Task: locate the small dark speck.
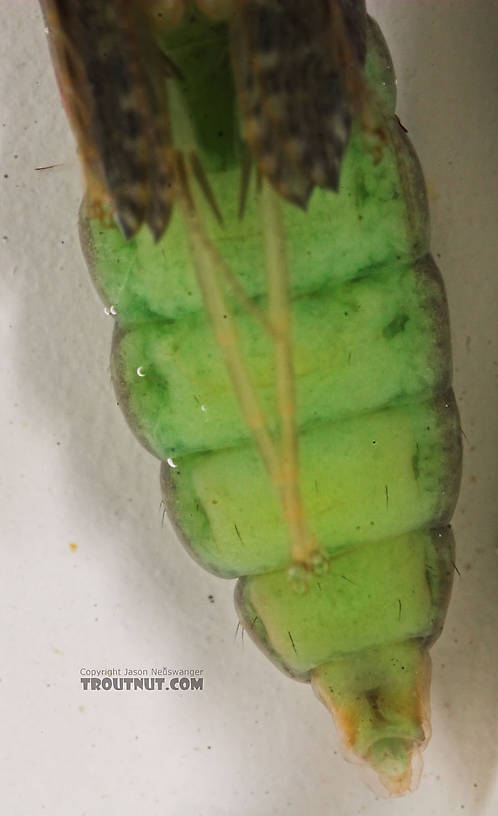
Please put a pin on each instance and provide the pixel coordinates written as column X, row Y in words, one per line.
column 374, row 441
column 348, row 580
column 211, row 598
column 209, row 747
column 5, row 175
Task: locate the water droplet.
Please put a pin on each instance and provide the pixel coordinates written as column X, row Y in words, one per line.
column 140, row 371
column 203, row 408
column 170, row 462
column 113, row 311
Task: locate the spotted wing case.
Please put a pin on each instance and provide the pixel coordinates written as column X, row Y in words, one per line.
column 112, row 79
column 379, row 435
column 298, row 66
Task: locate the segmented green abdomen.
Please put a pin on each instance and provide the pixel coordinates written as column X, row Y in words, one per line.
column 378, row 428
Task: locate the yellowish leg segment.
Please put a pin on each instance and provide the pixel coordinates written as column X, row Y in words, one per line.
column 303, row 547
column 280, row 461
column 207, row 267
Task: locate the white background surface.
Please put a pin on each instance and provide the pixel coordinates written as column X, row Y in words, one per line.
column 252, row 742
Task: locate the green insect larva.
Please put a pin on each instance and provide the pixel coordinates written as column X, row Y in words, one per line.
column 257, row 219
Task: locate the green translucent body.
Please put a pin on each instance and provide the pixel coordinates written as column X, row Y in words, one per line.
column 353, row 339
column 411, row 570
column 379, row 432
column 378, row 475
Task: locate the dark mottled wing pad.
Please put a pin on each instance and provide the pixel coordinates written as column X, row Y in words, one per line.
column 298, row 66
column 112, row 80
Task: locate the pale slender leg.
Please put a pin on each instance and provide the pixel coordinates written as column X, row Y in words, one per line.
column 281, row 462
column 303, row 547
